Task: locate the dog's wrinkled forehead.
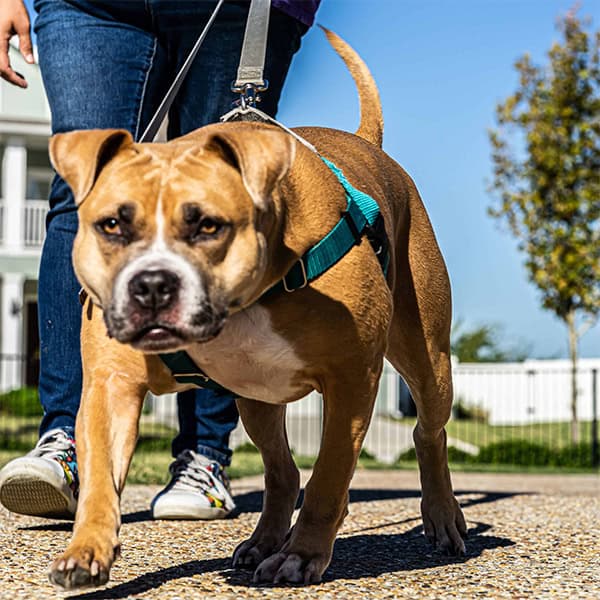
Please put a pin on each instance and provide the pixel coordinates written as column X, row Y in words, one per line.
column 260, row 157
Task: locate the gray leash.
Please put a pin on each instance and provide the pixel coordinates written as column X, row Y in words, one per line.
column 249, row 80
column 165, row 105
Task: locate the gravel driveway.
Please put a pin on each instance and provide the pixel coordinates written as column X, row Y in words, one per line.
column 531, row 536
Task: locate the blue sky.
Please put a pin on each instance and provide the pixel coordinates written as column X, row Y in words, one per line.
column 441, row 66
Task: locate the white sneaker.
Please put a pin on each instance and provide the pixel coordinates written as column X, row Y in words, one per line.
column 199, row 489
column 44, row 482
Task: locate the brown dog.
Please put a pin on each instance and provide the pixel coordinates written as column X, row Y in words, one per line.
column 218, row 217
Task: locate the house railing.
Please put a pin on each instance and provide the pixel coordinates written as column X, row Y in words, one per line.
column 34, row 223
column 33, row 230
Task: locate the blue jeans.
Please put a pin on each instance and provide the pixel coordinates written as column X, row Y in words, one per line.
column 108, row 64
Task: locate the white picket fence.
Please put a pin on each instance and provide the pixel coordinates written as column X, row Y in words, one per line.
column 535, row 391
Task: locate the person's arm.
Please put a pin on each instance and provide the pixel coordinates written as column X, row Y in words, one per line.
column 14, row 20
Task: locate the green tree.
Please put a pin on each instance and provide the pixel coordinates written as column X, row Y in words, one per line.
column 546, row 157
column 481, row 344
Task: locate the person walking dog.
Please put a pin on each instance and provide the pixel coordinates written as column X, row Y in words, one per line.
column 108, row 64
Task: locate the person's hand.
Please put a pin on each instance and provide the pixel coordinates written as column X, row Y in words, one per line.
column 14, row 20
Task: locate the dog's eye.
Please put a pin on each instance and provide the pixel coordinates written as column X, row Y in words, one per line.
column 111, row 226
column 208, row 227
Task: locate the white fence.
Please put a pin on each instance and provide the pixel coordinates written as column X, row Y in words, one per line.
column 510, row 393
column 534, row 391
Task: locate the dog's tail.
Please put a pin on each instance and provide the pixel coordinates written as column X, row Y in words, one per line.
column 371, row 115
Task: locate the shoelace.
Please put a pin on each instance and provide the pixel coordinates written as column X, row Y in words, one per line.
column 53, row 445
column 191, row 474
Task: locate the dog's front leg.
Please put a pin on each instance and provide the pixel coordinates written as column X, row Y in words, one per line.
column 348, row 404
column 106, row 433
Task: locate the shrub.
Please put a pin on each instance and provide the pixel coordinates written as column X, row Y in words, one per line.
column 23, row 402
column 366, row 455
column 459, row 456
column 407, row 456
column 515, row 452
column 461, row 411
column 579, row 455
column 454, row 455
column 521, row 453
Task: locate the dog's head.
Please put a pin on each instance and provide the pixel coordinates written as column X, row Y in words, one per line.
column 172, row 237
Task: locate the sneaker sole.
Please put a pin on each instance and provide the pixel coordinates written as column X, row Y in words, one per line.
column 200, row 514
column 34, row 497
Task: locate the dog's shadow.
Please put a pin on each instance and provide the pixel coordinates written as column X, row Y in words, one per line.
column 133, row 517
column 363, row 553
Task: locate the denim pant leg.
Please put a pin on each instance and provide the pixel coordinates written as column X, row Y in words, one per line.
column 97, row 73
column 59, row 317
column 206, row 424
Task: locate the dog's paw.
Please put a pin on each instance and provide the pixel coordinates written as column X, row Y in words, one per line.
column 249, row 554
column 288, row 567
column 444, row 525
column 81, row 567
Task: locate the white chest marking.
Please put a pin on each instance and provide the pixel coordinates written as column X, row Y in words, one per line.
column 252, row 360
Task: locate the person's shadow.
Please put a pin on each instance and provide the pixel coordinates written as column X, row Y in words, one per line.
column 367, row 552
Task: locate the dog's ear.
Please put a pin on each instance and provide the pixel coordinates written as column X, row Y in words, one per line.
column 262, row 156
column 79, row 156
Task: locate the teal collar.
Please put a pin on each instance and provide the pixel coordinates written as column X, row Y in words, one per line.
column 362, row 218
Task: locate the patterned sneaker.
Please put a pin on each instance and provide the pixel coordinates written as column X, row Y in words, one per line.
column 199, row 489
column 44, row 482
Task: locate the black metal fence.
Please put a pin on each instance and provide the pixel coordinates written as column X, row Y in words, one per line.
column 505, row 416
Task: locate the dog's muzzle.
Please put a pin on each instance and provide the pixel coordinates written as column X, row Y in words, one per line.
column 155, row 313
column 154, row 291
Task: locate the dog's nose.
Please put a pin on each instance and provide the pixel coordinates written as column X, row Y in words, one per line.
column 154, row 289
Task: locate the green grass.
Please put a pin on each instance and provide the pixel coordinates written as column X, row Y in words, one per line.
column 153, row 467
column 557, row 435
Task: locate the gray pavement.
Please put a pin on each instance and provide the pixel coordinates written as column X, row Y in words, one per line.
column 531, row 536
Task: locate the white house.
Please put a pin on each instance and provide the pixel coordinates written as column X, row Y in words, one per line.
column 24, row 185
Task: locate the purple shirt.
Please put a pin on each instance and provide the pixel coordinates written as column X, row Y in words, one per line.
column 303, row 10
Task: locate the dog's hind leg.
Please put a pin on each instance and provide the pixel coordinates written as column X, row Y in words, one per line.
column 265, row 424
column 419, row 348
column 106, row 434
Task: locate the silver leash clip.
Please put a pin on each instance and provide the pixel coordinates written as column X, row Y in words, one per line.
column 249, row 94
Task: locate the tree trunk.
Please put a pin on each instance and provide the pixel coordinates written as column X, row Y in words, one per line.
column 573, row 342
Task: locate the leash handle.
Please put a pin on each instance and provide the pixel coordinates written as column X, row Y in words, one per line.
column 252, row 60
column 160, row 114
